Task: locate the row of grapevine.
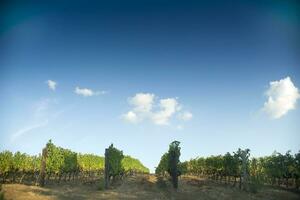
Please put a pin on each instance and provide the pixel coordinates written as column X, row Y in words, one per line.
column 14, row 165
column 113, row 165
column 117, row 165
column 170, row 163
column 279, row 169
column 133, row 165
column 61, row 164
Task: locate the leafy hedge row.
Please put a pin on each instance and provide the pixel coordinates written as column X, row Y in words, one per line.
column 279, row 169
column 59, row 162
column 170, row 163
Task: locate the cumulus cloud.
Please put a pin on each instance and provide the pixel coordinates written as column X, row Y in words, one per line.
column 51, row 84
column 185, row 116
column 168, row 108
column 88, row 92
column 282, row 97
column 144, row 107
column 142, row 102
column 130, row 117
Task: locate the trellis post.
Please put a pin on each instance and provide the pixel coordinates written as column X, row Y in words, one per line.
column 43, row 168
column 106, row 170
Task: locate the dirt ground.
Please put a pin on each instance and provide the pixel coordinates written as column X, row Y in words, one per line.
column 142, row 187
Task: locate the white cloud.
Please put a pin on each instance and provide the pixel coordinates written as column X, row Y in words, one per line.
column 88, row 92
column 145, row 108
column 131, row 117
column 142, row 107
column 168, row 108
column 51, row 84
column 142, row 102
column 185, row 116
column 282, row 97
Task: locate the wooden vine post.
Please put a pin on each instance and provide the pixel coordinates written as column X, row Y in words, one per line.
column 106, row 170
column 244, row 175
column 43, row 168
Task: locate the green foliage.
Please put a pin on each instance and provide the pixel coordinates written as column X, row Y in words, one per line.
column 215, row 166
column 17, row 162
column 55, row 158
column 268, row 169
column 170, row 163
column 183, row 167
column 296, row 170
column 115, row 157
column 196, row 166
column 60, row 160
column 6, row 162
column 163, row 165
column 173, row 156
column 70, row 161
column 64, row 161
column 133, row 165
column 90, row 162
column 231, row 165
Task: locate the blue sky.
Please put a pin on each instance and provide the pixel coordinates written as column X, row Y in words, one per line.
column 213, row 60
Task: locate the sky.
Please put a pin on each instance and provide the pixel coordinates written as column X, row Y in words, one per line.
column 214, row 75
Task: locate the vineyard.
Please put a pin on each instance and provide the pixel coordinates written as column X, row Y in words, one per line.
column 70, row 175
column 278, row 169
column 61, row 165
column 236, row 169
